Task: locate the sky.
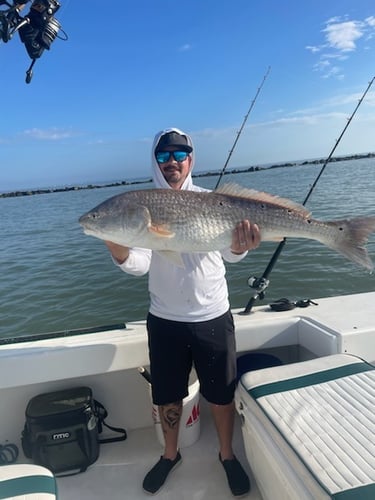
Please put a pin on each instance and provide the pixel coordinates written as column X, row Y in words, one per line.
column 131, row 69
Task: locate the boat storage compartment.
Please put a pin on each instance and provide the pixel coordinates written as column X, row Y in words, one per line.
column 309, row 428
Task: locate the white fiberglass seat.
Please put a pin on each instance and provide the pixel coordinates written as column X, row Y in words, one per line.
column 27, row 482
column 309, row 428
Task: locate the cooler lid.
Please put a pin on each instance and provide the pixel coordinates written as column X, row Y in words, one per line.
column 63, row 401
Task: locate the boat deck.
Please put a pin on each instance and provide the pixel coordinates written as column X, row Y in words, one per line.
column 121, row 467
column 107, row 361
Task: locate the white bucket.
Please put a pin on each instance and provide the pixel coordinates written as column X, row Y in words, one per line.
column 190, row 419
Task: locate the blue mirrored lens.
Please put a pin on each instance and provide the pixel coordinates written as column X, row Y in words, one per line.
column 180, row 155
column 163, row 156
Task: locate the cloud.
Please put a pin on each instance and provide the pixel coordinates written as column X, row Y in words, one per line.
column 341, row 37
column 341, row 104
column 303, row 120
column 185, row 47
column 313, row 49
column 336, row 108
column 51, row 134
column 350, row 99
column 334, row 71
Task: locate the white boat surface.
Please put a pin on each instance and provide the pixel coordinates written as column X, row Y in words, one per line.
column 108, row 361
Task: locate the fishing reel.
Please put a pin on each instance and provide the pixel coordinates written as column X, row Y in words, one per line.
column 259, row 285
column 37, row 30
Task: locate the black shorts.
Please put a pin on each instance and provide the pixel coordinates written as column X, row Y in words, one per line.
column 175, row 346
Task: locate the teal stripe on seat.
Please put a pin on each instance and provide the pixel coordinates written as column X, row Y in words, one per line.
column 363, row 493
column 27, row 485
column 311, row 379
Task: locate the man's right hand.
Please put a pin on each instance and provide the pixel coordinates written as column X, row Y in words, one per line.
column 119, row 253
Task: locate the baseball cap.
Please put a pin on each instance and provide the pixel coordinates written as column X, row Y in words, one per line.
column 174, row 139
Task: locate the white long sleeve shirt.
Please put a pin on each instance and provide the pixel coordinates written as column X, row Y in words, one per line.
column 198, row 292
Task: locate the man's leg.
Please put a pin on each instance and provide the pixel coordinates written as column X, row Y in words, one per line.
column 170, row 362
column 224, row 421
column 238, row 480
column 215, row 362
column 170, row 416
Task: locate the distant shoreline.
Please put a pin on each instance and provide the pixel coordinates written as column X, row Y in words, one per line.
column 30, row 192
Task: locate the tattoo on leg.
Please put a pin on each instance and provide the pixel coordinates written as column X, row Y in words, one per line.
column 171, row 413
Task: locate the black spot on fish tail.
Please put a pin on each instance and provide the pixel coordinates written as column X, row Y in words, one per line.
column 351, row 241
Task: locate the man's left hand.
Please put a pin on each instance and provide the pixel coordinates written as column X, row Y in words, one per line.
column 246, row 236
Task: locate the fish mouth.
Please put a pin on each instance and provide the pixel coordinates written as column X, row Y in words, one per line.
column 86, row 221
column 83, row 220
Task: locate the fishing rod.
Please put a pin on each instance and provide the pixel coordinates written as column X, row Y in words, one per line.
column 242, row 126
column 260, row 284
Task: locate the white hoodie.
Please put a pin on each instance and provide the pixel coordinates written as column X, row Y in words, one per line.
column 197, row 292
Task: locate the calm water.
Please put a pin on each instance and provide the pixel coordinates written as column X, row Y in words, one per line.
column 55, row 278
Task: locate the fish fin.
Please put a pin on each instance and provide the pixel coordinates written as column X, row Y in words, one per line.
column 160, row 230
column 233, row 189
column 354, row 234
column 276, row 239
column 173, row 257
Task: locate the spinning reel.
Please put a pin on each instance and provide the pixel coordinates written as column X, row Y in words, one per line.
column 37, row 30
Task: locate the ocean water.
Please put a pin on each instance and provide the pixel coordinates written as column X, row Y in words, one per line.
column 55, row 278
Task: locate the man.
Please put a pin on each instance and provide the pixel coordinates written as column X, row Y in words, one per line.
column 189, row 321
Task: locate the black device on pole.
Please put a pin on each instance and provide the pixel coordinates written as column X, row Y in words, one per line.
column 37, row 30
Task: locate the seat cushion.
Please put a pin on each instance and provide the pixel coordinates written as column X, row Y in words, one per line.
column 27, row 481
column 325, row 411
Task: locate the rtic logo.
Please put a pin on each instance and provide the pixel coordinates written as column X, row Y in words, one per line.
column 194, row 416
column 60, row 435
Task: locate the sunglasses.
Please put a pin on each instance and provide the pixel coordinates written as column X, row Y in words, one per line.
column 164, row 156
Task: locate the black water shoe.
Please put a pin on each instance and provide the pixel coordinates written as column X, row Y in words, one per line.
column 155, row 479
column 238, row 480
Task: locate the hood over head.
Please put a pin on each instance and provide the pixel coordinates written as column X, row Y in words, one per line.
column 171, row 137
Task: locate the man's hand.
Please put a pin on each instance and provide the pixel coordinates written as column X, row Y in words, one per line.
column 119, row 253
column 246, row 236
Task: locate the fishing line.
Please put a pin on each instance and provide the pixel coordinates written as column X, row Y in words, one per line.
column 260, row 284
column 242, row 126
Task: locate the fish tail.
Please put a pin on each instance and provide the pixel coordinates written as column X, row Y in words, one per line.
column 352, row 236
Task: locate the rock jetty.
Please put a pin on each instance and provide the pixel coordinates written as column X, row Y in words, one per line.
column 211, row 173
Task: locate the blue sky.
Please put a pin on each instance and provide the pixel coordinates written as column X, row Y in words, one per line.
column 130, row 69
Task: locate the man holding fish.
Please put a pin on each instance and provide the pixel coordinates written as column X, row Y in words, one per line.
column 189, row 320
column 180, row 233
